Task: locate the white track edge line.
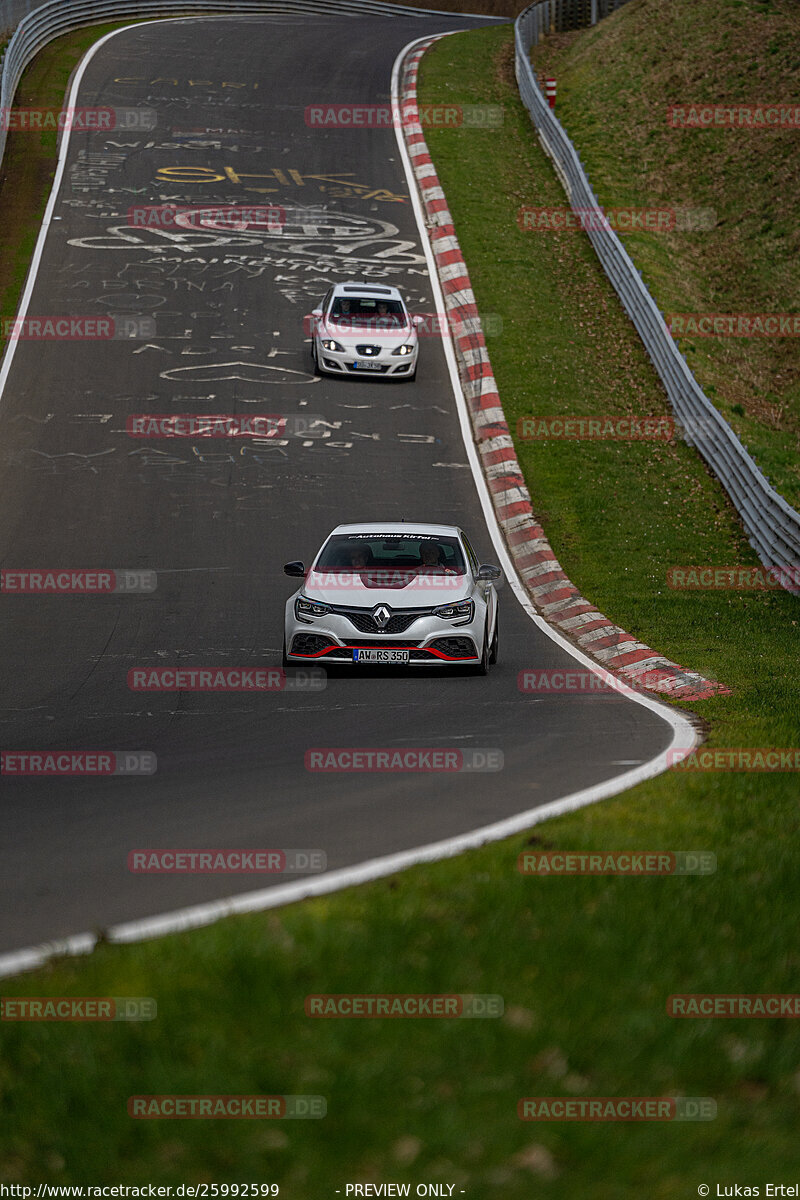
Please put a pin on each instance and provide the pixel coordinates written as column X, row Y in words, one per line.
column 198, row 915
column 674, row 718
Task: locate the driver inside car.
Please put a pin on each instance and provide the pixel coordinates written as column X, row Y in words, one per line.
column 431, row 556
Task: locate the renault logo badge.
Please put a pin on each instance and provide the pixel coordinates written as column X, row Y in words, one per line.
column 381, row 615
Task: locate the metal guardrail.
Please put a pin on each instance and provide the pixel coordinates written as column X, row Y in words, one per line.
column 12, row 12
column 562, row 15
column 771, row 524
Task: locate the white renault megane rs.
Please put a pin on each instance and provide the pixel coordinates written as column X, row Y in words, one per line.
column 394, row 593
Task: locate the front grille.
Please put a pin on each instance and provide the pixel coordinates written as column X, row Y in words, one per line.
column 365, row 623
column 368, row 351
column 398, row 622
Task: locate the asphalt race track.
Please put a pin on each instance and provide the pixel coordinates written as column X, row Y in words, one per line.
column 217, row 520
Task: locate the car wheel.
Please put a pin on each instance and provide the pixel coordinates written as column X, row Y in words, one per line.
column 483, row 666
column 314, row 356
column 494, row 649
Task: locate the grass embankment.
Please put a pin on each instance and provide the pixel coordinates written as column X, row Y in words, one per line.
column 585, row 964
column 615, row 83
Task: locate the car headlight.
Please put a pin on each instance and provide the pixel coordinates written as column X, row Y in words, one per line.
column 330, row 344
column 304, row 607
column 463, row 612
column 407, row 348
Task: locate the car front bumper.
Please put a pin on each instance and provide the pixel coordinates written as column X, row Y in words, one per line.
column 382, row 365
column 429, row 640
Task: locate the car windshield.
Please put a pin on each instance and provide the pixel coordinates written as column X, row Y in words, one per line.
column 368, row 311
column 412, row 554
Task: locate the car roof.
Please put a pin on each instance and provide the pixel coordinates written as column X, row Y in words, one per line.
column 353, row 288
column 410, row 528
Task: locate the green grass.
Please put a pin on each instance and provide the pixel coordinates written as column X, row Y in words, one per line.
column 614, row 85
column 585, row 964
column 617, row 514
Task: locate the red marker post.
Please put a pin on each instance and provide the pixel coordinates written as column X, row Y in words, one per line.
column 550, row 91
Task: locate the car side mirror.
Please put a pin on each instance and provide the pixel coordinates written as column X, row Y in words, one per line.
column 295, row 569
column 489, row 571
column 316, row 312
column 417, row 319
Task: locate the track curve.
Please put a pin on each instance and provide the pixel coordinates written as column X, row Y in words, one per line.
column 218, row 523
